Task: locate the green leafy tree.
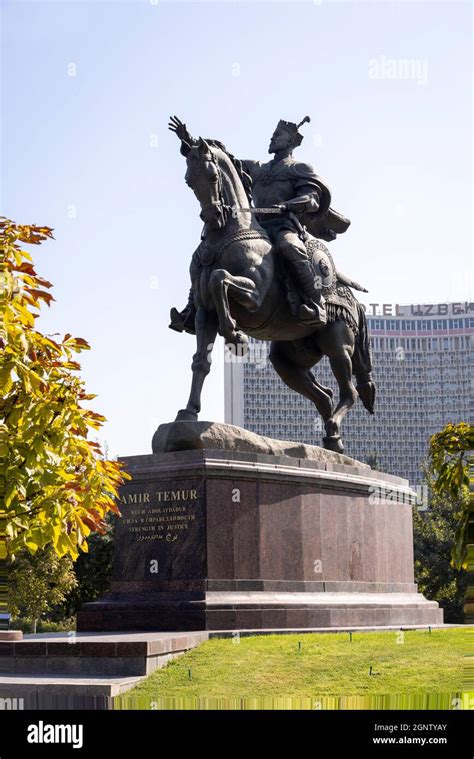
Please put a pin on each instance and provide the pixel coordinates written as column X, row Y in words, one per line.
column 38, row 583
column 449, row 464
column 55, row 488
column 433, row 532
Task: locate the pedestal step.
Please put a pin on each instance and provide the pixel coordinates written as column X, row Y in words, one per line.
column 42, row 692
column 80, row 655
column 259, row 610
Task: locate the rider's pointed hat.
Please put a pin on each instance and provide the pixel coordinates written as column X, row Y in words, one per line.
column 292, row 129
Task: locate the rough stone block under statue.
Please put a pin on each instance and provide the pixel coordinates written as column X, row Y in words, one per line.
column 242, row 532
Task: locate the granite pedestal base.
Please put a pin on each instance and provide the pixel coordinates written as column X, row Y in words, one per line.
column 225, row 540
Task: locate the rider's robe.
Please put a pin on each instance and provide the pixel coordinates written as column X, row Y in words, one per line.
column 280, row 181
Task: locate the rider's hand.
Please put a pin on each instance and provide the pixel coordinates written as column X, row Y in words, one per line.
column 177, row 126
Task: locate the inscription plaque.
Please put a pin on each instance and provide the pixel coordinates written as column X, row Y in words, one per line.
column 161, row 534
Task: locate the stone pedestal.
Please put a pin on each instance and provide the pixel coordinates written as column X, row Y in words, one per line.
column 229, row 540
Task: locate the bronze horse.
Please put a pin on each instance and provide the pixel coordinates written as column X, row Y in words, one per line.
column 239, row 289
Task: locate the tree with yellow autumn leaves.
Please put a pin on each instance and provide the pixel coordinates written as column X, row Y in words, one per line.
column 55, row 485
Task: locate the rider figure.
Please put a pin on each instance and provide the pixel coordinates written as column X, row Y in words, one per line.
column 293, row 189
column 292, row 186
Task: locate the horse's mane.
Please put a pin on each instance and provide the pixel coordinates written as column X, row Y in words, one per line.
column 237, row 164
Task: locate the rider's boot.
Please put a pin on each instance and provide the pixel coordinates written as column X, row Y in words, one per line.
column 183, row 321
column 312, row 309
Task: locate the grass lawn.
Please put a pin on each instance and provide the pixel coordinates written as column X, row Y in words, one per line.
column 413, row 662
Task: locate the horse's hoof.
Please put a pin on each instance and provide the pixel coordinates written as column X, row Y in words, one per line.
column 237, row 343
column 184, row 415
column 333, row 443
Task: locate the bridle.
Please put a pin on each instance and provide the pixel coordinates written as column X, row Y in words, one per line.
column 219, row 203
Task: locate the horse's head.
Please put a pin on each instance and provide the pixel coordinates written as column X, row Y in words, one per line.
column 204, row 177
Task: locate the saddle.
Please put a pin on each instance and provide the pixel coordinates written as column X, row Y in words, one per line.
column 340, row 302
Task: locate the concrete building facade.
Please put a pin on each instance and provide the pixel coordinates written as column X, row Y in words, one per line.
column 422, row 357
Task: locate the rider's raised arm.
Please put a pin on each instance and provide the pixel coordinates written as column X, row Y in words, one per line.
column 187, row 144
column 181, row 131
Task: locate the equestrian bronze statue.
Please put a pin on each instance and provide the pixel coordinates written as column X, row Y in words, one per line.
column 261, row 270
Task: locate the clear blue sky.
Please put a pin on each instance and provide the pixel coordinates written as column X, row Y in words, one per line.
column 396, row 153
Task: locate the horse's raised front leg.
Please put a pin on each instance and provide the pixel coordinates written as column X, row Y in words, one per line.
column 206, row 331
column 241, row 289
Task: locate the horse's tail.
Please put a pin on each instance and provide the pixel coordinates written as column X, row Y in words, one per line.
column 362, row 363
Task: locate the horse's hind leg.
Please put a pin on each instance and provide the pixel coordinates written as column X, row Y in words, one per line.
column 294, row 368
column 339, row 348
